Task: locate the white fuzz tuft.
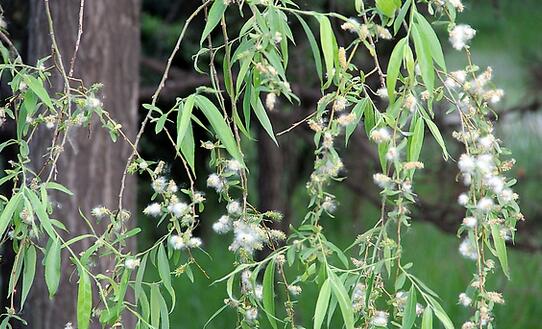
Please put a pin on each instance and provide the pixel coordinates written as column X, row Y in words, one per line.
column 177, row 242
column 466, row 164
column 463, row 199
column 380, row 135
column 214, row 181
column 234, row 208
column 247, row 236
column 380, row 319
column 178, row 209
column 154, row 210
column 464, row 299
column 381, row 180
column 223, row 225
column 194, row 243
column 131, row 263
column 468, row 249
column 159, row 185
column 485, row 204
column 470, row 221
column 460, row 35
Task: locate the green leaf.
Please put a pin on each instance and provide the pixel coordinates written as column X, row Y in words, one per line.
column 387, row 7
column 188, row 146
column 184, row 113
column 37, row 88
column 401, row 17
column 409, row 315
column 321, row 304
column 246, row 64
column 416, row 140
column 58, row 187
column 219, row 125
column 314, row 46
column 430, row 37
column 217, row 313
column 215, row 15
column 438, row 137
column 164, row 314
column 358, row 111
column 269, row 293
column 165, row 272
column 43, row 217
column 261, row 114
column 345, row 304
column 139, row 276
column 155, row 305
column 394, row 66
column 29, row 272
column 7, row 214
column 500, row 248
column 160, row 124
column 52, row 267
column 427, row 319
column 440, row 313
column 423, row 53
column 329, row 44
column 369, row 121
column 84, row 300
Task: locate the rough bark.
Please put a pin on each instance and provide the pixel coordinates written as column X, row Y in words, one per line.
column 91, row 165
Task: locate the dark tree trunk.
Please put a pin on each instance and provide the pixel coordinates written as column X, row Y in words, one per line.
column 91, row 165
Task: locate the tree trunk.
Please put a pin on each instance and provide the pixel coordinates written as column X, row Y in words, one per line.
column 91, row 165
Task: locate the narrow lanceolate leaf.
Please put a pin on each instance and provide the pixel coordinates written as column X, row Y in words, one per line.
column 358, row 111
column 429, row 35
column 425, row 61
column 345, row 304
column 29, row 272
column 40, row 210
column 219, row 125
column 269, row 293
column 440, row 313
column 155, row 308
column 427, row 319
column 409, row 315
column 261, row 114
column 165, row 272
column 438, row 137
column 58, row 187
column 215, row 15
column 500, row 248
column 329, row 44
column 7, row 213
column 164, row 314
column 52, row 267
column 401, row 17
column 139, row 276
column 188, row 146
column 416, row 140
column 84, row 300
column 321, row 304
column 394, row 66
column 183, row 119
column 314, row 46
